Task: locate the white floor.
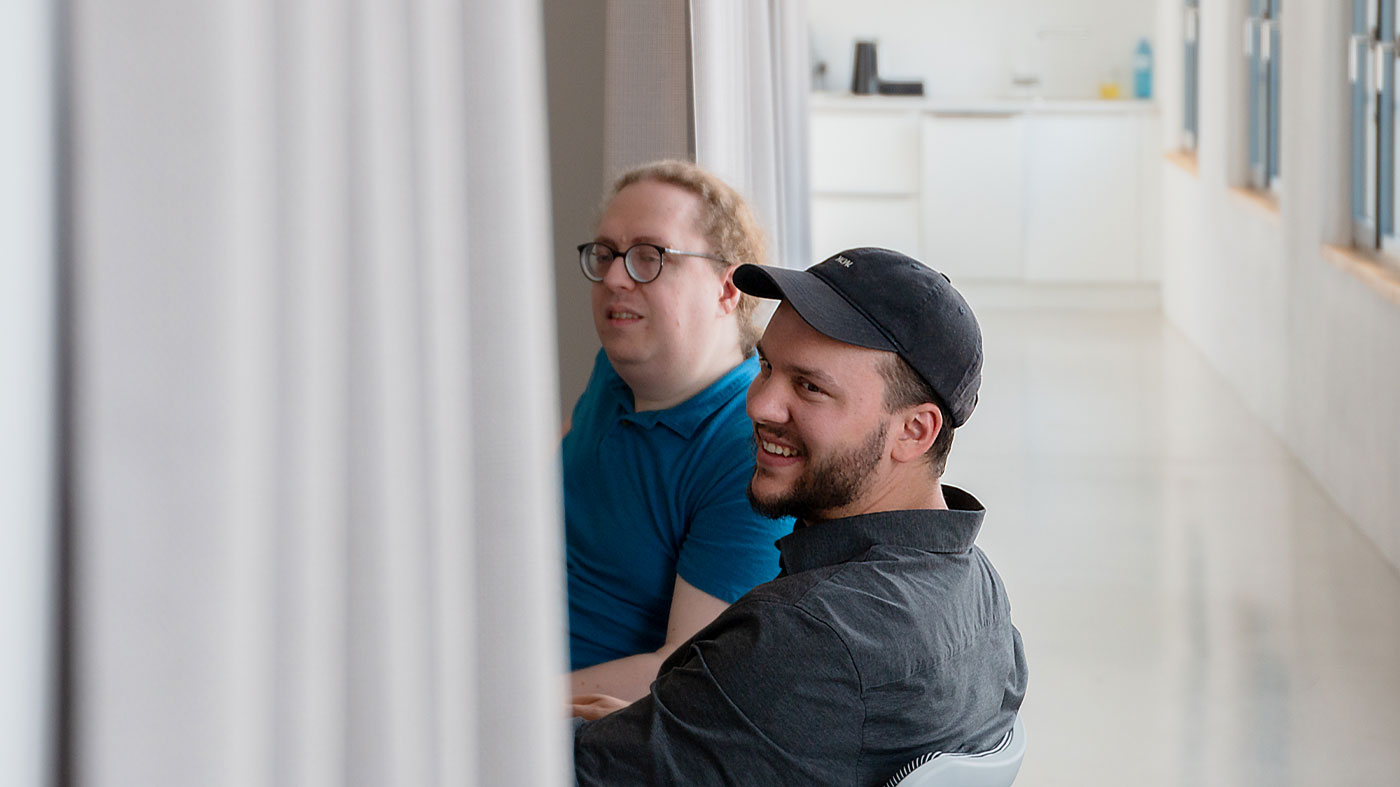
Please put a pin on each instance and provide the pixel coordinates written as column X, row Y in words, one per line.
column 1196, row 611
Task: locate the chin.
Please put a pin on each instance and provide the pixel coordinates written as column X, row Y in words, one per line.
column 622, row 352
column 761, row 494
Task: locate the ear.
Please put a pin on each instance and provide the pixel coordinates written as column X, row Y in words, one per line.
column 729, row 293
column 915, row 431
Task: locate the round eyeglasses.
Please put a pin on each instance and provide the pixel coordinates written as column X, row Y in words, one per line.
column 642, row 262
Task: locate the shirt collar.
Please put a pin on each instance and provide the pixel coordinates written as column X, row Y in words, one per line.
column 949, row 530
column 686, row 417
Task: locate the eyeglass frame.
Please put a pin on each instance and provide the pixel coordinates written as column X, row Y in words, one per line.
column 627, row 264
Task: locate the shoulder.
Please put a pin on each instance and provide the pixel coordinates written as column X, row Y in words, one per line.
column 602, row 378
column 908, row 613
column 600, row 393
column 724, row 403
column 716, row 426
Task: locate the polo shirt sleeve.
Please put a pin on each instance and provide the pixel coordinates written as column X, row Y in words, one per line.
column 728, row 547
column 767, row 694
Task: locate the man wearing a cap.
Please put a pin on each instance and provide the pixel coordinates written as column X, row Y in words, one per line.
column 888, row 633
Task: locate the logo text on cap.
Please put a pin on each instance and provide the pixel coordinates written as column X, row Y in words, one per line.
column 842, row 261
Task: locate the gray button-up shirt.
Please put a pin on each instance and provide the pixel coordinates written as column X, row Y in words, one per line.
column 885, row 636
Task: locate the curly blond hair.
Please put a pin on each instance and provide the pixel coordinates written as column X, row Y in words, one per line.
column 726, row 221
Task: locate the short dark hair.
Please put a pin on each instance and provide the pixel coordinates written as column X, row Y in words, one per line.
column 905, row 388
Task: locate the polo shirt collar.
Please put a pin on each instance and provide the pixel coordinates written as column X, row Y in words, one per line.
column 685, row 418
column 950, row 530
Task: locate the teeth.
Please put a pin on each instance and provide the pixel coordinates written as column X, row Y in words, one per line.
column 624, row 316
column 774, row 448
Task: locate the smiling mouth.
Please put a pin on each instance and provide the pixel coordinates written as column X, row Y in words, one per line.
column 778, row 450
column 623, row 315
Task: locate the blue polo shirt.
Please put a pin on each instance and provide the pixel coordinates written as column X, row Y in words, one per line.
column 649, row 496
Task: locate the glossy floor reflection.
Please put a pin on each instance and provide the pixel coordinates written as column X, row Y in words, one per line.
column 1196, row 611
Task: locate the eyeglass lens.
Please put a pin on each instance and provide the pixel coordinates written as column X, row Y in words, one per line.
column 643, row 261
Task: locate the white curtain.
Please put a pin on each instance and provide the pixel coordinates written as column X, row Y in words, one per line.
column 317, row 515
column 28, row 435
column 751, row 85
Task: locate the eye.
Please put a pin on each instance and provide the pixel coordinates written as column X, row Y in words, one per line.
column 809, row 387
column 763, row 365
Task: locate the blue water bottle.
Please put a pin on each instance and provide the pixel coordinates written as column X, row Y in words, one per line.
column 1142, row 69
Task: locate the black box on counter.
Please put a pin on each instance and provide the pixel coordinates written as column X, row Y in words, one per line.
column 914, row 88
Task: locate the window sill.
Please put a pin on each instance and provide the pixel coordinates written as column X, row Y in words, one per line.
column 1183, row 158
column 1375, row 274
column 1264, row 202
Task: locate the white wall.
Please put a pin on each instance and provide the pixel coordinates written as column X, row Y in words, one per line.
column 1310, row 348
column 961, row 48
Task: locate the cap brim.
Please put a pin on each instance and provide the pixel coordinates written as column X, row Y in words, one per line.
column 816, row 302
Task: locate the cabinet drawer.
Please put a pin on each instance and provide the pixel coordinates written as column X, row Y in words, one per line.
column 847, row 222
column 865, row 153
column 972, row 188
column 1082, row 199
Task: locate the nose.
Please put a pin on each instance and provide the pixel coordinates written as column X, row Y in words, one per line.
column 764, row 403
column 616, row 278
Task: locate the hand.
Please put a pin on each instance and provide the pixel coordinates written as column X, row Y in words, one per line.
column 596, row 706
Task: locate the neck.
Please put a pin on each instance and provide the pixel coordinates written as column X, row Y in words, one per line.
column 908, row 488
column 658, row 391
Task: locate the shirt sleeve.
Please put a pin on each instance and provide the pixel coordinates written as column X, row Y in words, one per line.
column 728, row 547
column 767, row 694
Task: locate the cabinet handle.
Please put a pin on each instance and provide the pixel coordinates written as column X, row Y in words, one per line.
column 1251, row 31
column 1380, row 49
column 996, row 115
column 1354, row 62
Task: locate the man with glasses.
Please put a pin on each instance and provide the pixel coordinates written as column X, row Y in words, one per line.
column 659, row 535
column 888, row 633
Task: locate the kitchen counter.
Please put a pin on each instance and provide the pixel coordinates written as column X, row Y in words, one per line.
column 933, row 105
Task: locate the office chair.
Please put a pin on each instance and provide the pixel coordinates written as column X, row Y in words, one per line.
column 996, row 767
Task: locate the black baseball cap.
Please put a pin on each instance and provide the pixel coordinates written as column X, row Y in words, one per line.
column 885, row 300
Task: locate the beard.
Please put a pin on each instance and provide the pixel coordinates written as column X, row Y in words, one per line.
column 827, row 483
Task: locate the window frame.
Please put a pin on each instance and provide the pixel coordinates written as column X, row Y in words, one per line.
column 1371, row 52
column 1191, row 46
column 1262, row 73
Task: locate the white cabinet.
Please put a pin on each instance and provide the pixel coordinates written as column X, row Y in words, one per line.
column 840, row 223
column 1082, row 218
column 865, row 180
column 1042, row 191
column 865, row 152
column 971, row 201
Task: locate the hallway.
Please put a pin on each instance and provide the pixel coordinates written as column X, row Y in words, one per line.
column 1195, row 610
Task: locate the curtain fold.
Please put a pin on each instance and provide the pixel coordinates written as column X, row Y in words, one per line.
column 318, row 521
column 29, row 408
column 751, row 85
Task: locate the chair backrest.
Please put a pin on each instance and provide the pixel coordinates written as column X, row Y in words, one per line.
column 996, row 767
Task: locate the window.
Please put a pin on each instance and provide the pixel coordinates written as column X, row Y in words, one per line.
column 1372, row 72
column 1190, row 36
column 1261, row 49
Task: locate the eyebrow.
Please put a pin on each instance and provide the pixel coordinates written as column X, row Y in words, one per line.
column 643, row 239
column 812, row 373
